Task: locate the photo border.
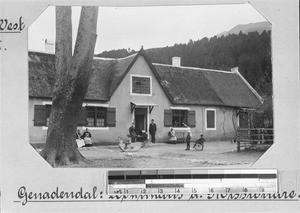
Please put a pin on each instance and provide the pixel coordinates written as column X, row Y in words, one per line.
column 21, row 165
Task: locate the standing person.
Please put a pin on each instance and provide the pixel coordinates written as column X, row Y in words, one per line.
column 87, row 137
column 132, row 132
column 152, row 130
column 172, row 136
column 188, row 140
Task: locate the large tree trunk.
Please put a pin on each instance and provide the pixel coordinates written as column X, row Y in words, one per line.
column 73, row 75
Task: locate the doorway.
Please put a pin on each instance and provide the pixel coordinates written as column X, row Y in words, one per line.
column 140, row 117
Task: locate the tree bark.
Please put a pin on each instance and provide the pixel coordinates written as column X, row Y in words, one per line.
column 73, row 75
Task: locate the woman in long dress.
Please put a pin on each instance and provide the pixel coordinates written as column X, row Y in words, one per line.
column 172, row 136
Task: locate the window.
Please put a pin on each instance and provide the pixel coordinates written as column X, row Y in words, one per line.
column 41, row 115
column 141, row 85
column 210, row 119
column 179, row 118
column 96, row 116
column 88, row 116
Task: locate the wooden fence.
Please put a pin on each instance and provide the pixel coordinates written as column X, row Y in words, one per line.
column 248, row 138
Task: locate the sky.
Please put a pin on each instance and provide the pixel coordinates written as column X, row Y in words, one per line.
column 160, row 26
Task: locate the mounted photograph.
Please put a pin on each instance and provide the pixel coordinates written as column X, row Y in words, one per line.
column 150, row 87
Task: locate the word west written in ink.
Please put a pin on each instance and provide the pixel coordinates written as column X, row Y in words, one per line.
column 7, row 26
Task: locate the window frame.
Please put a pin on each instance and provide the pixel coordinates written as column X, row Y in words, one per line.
column 215, row 119
column 140, row 76
column 85, row 105
column 95, row 116
column 182, row 113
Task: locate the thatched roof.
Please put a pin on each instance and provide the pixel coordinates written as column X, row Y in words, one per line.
column 106, row 76
column 205, row 87
column 182, row 85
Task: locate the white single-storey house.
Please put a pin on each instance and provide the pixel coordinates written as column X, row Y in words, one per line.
column 133, row 89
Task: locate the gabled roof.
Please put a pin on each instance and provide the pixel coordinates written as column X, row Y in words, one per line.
column 182, row 85
column 206, row 87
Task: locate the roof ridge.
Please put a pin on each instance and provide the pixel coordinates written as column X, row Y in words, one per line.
column 103, row 58
column 127, row 56
column 194, row 68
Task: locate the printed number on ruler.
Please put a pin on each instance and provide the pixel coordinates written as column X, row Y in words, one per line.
column 261, row 189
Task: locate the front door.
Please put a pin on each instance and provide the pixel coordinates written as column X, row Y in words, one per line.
column 140, row 117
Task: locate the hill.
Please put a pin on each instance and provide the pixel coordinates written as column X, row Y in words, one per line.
column 246, row 28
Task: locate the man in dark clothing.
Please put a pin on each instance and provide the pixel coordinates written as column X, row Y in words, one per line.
column 188, row 140
column 152, row 130
column 132, row 132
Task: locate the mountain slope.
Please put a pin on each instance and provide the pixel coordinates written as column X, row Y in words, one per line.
column 246, row 28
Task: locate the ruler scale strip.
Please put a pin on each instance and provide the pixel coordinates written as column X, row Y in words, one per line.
column 186, row 181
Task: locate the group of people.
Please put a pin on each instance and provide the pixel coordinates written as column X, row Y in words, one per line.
column 141, row 135
column 84, row 139
column 173, row 139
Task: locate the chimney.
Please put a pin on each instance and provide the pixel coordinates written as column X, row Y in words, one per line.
column 235, row 69
column 176, row 61
column 49, row 46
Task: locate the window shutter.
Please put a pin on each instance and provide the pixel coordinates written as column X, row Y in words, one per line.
column 40, row 115
column 81, row 119
column 192, row 118
column 210, row 119
column 111, row 117
column 168, row 118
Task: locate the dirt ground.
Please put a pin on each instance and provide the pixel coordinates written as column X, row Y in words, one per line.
column 163, row 155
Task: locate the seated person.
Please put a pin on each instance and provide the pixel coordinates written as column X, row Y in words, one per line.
column 201, row 141
column 87, row 137
column 142, row 135
column 172, row 136
column 78, row 134
column 79, row 141
column 132, row 133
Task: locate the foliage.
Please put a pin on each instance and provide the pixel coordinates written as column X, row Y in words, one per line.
column 120, row 53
